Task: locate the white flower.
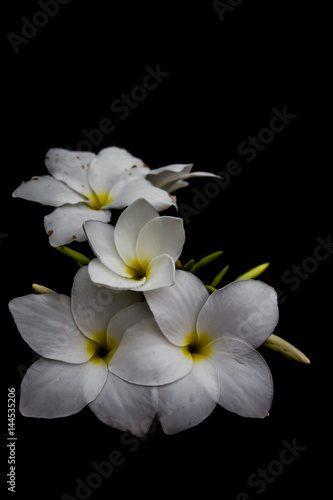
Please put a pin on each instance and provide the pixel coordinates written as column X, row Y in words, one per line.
column 84, row 186
column 76, row 338
column 139, row 253
column 200, row 350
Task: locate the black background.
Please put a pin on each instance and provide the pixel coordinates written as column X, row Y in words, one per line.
column 224, row 79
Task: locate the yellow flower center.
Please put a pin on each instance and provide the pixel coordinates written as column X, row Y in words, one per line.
column 100, row 200
column 101, row 348
column 139, row 270
column 198, row 346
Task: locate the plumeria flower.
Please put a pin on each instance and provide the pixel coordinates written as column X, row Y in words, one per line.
column 200, row 350
column 76, row 338
column 139, row 253
column 84, row 186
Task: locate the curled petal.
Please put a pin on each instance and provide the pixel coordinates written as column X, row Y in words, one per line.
column 102, row 275
column 160, row 273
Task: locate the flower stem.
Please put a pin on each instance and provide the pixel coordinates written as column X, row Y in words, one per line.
column 81, row 259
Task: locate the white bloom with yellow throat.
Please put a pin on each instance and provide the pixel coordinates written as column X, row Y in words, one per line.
column 76, row 338
column 139, row 253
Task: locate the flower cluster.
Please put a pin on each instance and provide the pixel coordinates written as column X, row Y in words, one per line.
column 141, row 336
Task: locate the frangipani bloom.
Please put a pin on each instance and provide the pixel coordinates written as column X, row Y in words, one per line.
column 200, row 350
column 139, row 253
column 76, row 338
column 84, row 186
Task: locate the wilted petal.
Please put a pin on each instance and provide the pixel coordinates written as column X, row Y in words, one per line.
column 128, row 226
column 245, row 309
column 93, row 306
column 188, row 401
column 146, row 357
column 48, row 191
column 176, row 308
column 53, row 389
column 126, row 406
column 64, row 224
column 71, row 167
column 246, row 385
column 47, row 325
column 171, row 177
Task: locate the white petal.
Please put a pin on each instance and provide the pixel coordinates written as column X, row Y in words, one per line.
column 185, row 299
column 101, row 239
column 102, row 275
column 129, row 225
column 146, row 357
column 244, row 309
column 93, row 306
column 71, row 167
column 160, row 273
column 126, row 318
column 48, row 191
column 188, row 401
column 47, row 325
column 126, row 406
column 109, row 165
column 64, row 224
column 163, row 235
column 246, row 385
column 53, row 389
column 129, row 189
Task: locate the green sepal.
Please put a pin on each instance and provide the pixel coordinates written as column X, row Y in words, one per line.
column 219, row 277
column 189, row 265
column 206, row 260
column 254, row 272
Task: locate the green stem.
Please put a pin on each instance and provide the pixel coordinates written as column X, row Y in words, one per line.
column 81, row 259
